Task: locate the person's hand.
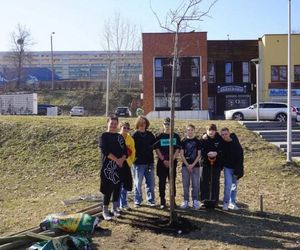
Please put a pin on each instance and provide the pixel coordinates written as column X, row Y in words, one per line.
column 120, row 162
column 166, row 163
column 190, row 168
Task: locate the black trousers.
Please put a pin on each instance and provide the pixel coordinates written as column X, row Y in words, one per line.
column 163, row 175
column 210, row 181
column 113, row 190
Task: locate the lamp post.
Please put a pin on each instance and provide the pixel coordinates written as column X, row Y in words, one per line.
column 289, row 117
column 256, row 63
column 107, row 89
column 52, row 66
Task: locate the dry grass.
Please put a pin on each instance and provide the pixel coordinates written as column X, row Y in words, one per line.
column 46, row 160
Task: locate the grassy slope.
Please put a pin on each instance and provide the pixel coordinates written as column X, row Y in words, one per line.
column 46, row 160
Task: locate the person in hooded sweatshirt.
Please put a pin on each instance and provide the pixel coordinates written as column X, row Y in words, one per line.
column 233, row 158
column 211, row 151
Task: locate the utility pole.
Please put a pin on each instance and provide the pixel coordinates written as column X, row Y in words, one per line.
column 256, row 63
column 52, row 64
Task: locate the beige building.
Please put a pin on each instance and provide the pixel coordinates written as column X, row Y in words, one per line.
column 273, row 72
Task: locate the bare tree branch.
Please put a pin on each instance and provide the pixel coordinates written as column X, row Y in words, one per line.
column 21, row 42
column 187, row 11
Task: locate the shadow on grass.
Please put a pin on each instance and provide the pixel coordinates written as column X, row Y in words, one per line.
column 241, row 228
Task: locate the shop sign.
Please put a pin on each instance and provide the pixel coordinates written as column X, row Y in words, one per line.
column 231, row 89
column 283, row 92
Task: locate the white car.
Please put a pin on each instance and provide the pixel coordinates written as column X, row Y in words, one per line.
column 77, row 111
column 267, row 111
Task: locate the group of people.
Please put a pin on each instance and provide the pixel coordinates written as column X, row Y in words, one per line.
column 129, row 158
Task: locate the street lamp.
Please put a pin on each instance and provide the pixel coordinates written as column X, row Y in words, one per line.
column 52, row 66
column 289, row 117
column 256, row 62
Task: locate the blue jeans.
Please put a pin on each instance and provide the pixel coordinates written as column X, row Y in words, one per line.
column 123, row 197
column 187, row 177
column 230, row 186
column 141, row 171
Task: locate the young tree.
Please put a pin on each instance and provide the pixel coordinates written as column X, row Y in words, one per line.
column 21, row 42
column 176, row 21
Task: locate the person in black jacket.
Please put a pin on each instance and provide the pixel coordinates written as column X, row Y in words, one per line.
column 113, row 153
column 211, row 150
column 233, row 158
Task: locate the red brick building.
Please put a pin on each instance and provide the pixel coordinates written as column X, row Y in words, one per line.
column 191, row 85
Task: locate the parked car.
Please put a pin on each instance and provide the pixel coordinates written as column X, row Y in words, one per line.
column 298, row 114
column 267, row 111
column 77, row 111
column 123, row 111
column 42, row 109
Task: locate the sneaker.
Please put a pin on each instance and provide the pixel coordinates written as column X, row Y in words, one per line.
column 106, row 216
column 225, row 206
column 184, row 205
column 137, row 205
column 151, row 203
column 162, row 206
column 196, row 204
column 233, row 206
column 116, row 213
column 201, row 204
column 125, row 208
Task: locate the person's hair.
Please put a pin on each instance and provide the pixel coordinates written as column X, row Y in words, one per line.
column 191, row 126
column 124, row 123
column 112, row 118
column 138, row 121
column 224, row 129
column 211, row 127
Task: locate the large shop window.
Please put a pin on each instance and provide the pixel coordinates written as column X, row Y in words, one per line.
column 195, row 67
column 228, row 72
column 246, row 72
column 297, row 73
column 211, row 73
column 278, row 73
column 158, row 68
column 164, row 100
column 196, row 101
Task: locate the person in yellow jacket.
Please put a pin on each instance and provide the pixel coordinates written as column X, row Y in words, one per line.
column 124, row 131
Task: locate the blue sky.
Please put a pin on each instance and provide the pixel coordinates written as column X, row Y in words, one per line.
column 78, row 24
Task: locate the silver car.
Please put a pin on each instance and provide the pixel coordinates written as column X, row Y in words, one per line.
column 77, row 111
column 267, row 111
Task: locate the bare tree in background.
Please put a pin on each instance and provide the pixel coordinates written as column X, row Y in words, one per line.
column 176, row 21
column 21, row 42
column 119, row 35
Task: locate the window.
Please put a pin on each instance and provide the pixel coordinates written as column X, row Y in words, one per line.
column 195, row 67
column 177, row 100
column 278, row 73
column 158, row 68
column 246, row 72
column 196, row 101
column 163, row 100
column 297, row 73
column 211, row 72
column 228, row 72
